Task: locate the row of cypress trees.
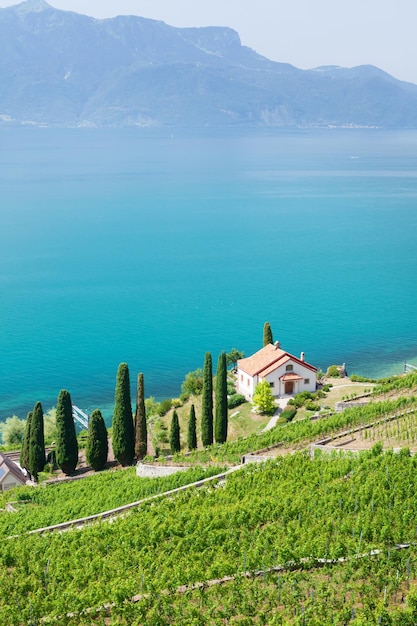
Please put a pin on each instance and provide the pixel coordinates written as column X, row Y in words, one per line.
column 219, row 432
column 32, row 453
column 129, row 438
column 211, row 429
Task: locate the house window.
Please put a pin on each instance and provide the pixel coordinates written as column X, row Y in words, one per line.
column 306, row 381
column 241, row 377
column 289, row 368
column 272, row 384
column 248, row 382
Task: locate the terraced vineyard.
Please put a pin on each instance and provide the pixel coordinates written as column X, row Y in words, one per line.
column 334, row 522
column 288, row 510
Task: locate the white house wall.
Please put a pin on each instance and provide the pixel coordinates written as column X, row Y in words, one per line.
column 247, row 384
column 308, row 382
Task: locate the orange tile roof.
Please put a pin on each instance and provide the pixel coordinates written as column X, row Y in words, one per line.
column 290, row 376
column 267, row 360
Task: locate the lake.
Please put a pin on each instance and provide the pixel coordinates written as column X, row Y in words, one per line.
column 153, row 246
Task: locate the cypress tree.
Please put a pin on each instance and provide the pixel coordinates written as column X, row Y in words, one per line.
column 207, row 402
column 192, row 433
column 174, row 438
column 97, row 447
column 221, row 400
column 141, row 430
column 24, row 451
column 123, row 437
column 267, row 334
column 66, row 440
column 36, row 442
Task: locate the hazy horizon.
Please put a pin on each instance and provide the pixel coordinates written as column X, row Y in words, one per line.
column 304, row 34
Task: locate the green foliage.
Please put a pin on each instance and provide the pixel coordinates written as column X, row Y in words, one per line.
column 164, row 406
column 301, row 399
column 235, row 400
column 123, row 440
column 12, row 431
column 267, row 338
column 60, row 502
column 36, row 442
column 49, row 426
column 66, row 440
column 221, row 414
column 333, row 371
column 193, row 384
column 24, row 451
column 343, row 506
column 174, row 436
column 207, row 402
column 231, row 389
column 97, row 447
column 151, row 407
column 141, row 429
column 263, row 398
column 311, row 406
column 288, row 413
column 233, row 357
column 192, row 430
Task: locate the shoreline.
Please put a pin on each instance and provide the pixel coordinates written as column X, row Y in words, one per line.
column 21, row 408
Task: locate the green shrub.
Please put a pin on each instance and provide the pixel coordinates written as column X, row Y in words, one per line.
column 176, row 403
column 164, row 406
column 310, row 406
column 231, row 389
column 288, row 414
column 235, row 400
column 333, row 371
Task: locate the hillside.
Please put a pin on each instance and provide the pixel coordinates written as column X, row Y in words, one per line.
column 62, row 68
column 302, row 539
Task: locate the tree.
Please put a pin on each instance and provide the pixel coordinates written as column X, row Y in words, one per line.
column 123, row 436
column 267, row 334
column 66, row 440
column 12, row 431
column 221, row 400
column 207, row 402
column 233, row 357
column 141, row 430
column 192, row 432
column 97, row 448
column 24, row 451
column 193, row 384
column 174, row 438
column 36, row 442
column 263, row 398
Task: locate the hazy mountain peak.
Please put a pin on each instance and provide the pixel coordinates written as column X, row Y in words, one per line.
column 32, row 6
column 62, row 68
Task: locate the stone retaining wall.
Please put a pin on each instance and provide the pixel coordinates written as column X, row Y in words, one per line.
column 155, row 471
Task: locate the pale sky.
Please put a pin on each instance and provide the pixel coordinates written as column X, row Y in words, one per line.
column 305, row 33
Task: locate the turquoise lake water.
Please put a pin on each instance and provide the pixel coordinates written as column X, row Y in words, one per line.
column 155, row 246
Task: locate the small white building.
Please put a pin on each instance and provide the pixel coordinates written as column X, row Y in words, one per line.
column 286, row 374
column 10, row 474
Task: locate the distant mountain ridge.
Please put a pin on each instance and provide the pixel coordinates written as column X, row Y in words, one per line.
column 62, row 68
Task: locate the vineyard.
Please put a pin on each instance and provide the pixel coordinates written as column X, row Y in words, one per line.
column 37, row 508
column 328, row 539
column 285, row 511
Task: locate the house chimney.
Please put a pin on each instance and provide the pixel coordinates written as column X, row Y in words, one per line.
column 277, row 345
column 302, row 357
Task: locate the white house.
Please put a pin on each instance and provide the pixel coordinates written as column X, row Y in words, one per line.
column 286, row 374
column 10, row 474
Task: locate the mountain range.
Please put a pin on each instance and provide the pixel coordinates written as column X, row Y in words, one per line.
column 62, row 68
